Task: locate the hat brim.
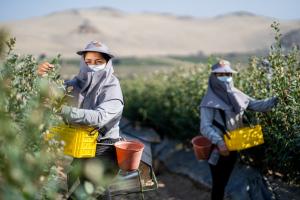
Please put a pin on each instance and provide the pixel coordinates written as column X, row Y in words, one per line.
column 93, row 50
column 224, row 70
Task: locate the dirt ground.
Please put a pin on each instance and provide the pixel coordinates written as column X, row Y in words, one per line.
column 172, row 187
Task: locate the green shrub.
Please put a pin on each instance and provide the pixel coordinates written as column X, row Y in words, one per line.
column 165, row 102
column 3, row 39
column 277, row 75
column 28, row 163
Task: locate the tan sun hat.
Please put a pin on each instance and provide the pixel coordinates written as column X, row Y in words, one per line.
column 223, row 66
column 95, row 46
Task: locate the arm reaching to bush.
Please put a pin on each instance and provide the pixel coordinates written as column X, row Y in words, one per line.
column 44, row 68
column 262, row 105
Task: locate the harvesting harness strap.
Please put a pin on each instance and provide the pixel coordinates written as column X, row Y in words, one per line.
column 102, row 131
column 223, row 128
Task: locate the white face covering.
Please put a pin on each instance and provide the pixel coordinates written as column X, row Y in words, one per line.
column 96, row 68
column 225, row 78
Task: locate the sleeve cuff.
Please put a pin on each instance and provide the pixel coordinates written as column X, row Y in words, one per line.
column 220, row 143
column 65, row 110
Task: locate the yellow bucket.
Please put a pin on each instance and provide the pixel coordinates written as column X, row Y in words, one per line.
column 244, row 138
column 80, row 141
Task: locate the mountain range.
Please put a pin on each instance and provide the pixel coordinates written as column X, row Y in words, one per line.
column 145, row 34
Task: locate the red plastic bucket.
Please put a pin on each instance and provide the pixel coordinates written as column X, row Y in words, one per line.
column 129, row 154
column 202, row 147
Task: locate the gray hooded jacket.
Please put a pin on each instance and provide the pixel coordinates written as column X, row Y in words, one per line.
column 99, row 100
column 225, row 96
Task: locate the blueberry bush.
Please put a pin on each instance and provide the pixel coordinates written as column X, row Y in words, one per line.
column 28, row 107
column 277, row 74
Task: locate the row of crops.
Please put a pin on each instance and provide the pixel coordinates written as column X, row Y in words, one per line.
column 169, row 102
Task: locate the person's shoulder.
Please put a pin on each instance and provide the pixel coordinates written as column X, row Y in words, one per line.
column 113, row 83
column 114, row 78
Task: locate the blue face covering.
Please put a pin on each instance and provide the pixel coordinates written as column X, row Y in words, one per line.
column 226, row 79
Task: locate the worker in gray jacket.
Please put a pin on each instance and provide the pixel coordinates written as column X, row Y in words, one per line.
column 99, row 103
column 222, row 95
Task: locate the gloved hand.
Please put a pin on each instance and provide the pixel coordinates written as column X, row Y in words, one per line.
column 64, row 113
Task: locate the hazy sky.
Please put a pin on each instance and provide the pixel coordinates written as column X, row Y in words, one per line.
column 282, row 9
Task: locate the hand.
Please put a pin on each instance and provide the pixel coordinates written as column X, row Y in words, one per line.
column 60, row 172
column 43, row 68
column 223, row 150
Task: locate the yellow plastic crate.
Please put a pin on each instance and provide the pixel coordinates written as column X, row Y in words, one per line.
column 80, row 141
column 244, row 138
